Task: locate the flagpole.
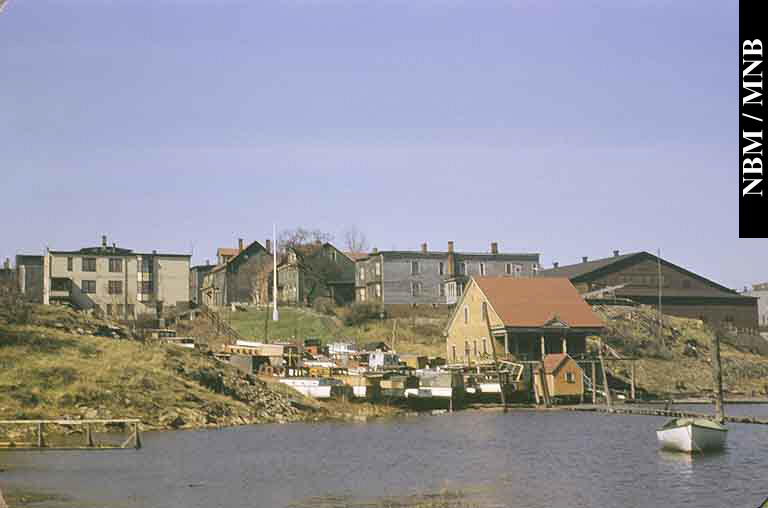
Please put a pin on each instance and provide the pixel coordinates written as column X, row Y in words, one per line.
column 275, row 315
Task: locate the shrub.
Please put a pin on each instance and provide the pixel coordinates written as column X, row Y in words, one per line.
column 360, row 313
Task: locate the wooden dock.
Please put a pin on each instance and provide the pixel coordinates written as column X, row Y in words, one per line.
column 665, row 412
column 134, row 439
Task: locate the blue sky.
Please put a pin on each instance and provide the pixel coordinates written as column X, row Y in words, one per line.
column 568, row 129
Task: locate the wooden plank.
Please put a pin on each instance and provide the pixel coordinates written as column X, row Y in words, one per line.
column 69, row 422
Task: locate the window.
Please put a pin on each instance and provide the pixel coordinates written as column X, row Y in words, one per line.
column 441, row 289
column 454, row 353
column 129, row 309
column 59, row 284
column 115, row 287
column 414, row 267
column 146, row 265
column 441, row 268
column 89, row 286
column 362, row 273
column 70, row 262
column 109, row 308
column 485, row 310
column 482, row 268
column 145, row 286
column 466, row 350
column 466, row 314
column 508, row 268
column 463, row 268
column 485, row 346
column 518, row 269
column 416, row 288
column 115, row 265
column 475, row 345
column 89, row 264
column 378, row 290
column 377, row 268
column 362, row 294
column 569, row 377
column 333, row 255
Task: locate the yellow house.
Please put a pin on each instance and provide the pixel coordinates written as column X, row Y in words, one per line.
column 564, row 376
column 528, row 318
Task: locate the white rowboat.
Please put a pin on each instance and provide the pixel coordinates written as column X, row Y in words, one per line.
column 692, row 435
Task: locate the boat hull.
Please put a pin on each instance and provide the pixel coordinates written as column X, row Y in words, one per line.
column 692, row 438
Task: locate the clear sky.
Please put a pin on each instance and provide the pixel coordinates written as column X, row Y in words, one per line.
column 568, row 129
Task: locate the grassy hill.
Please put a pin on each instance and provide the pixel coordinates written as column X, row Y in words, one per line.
column 56, row 366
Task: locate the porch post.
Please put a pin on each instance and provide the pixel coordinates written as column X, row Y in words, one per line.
column 543, row 347
column 565, row 344
column 506, row 344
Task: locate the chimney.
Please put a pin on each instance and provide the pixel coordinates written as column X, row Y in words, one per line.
column 268, row 245
column 7, row 264
column 555, row 264
column 207, row 262
column 615, row 253
column 450, row 246
column 114, row 245
column 424, row 247
column 375, row 250
column 154, row 252
column 494, row 248
column 584, row 259
column 103, row 240
column 239, row 244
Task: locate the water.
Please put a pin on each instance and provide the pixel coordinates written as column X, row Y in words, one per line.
column 520, row 459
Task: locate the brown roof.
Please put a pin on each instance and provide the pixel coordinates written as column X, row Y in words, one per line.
column 354, row 256
column 227, row 251
column 535, row 302
column 552, row 362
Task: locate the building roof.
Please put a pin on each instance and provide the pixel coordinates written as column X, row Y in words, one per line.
column 578, row 269
column 227, row 251
column 432, row 254
column 582, row 272
column 553, row 361
column 537, row 302
column 355, row 256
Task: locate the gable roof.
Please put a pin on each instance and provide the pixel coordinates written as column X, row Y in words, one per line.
column 537, row 302
column 583, row 271
column 553, row 361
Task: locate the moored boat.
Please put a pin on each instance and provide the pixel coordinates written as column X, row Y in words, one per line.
column 692, row 435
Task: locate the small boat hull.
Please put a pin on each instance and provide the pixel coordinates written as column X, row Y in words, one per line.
column 687, row 435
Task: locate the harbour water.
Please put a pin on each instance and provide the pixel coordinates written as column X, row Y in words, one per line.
column 521, row 459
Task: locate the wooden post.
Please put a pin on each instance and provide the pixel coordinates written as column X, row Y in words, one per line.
column 608, row 401
column 565, row 344
column 717, row 377
column 136, row 436
column 544, row 386
column 506, row 344
column 495, row 361
column 40, row 439
column 632, row 380
column 543, row 348
column 88, row 435
column 594, row 383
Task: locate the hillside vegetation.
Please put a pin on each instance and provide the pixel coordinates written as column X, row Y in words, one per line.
column 54, row 366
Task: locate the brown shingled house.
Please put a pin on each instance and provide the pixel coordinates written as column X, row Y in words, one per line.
column 528, row 319
column 564, row 376
column 635, row 276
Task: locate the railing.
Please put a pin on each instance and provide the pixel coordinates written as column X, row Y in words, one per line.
column 90, row 443
column 221, row 325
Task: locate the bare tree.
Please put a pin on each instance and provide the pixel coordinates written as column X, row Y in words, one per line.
column 296, row 237
column 355, row 240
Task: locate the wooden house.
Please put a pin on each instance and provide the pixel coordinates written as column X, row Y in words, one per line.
column 527, row 318
column 563, row 375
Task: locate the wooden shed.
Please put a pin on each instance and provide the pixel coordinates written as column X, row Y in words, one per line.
column 564, row 377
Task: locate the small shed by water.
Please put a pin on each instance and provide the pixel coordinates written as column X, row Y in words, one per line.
column 564, row 376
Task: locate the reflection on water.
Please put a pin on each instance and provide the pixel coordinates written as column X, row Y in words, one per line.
column 521, row 459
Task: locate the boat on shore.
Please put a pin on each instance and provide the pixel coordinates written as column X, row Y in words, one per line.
column 692, row 435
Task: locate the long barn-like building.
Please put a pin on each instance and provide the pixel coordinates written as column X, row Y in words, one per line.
column 635, row 277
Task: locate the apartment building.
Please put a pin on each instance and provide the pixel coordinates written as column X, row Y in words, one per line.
column 427, row 277
column 108, row 279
